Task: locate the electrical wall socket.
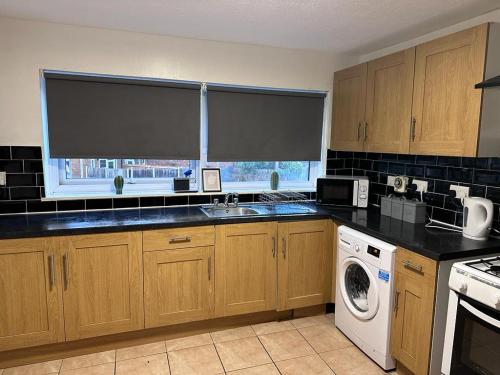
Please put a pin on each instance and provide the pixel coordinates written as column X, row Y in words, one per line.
column 462, row 191
column 3, row 178
column 390, row 180
column 421, row 185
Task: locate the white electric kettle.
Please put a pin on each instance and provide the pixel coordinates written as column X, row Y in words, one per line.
column 478, row 216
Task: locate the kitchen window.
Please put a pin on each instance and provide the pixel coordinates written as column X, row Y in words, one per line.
column 90, row 175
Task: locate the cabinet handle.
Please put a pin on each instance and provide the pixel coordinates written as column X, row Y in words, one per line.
column 396, row 302
column 359, row 130
column 65, row 271
column 413, row 128
column 209, row 268
column 366, row 130
column 274, row 247
column 180, row 239
column 283, row 250
column 411, row 266
column 52, row 276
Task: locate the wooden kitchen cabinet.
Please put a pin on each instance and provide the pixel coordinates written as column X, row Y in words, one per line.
column 179, row 281
column 103, row 284
column 389, row 90
column 334, row 233
column 412, row 318
column 304, row 263
column 31, row 311
column 245, row 268
column 418, row 101
column 446, row 106
column 349, row 99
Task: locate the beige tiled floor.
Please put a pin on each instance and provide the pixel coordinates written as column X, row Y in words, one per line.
column 305, row 346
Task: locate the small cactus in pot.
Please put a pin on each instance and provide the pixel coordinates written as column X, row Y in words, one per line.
column 275, row 180
column 119, row 181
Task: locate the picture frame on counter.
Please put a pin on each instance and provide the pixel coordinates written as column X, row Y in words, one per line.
column 211, row 180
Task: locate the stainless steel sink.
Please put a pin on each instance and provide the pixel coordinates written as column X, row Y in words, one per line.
column 257, row 209
column 229, row 211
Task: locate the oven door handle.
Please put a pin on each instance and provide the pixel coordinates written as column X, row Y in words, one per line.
column 484, row 317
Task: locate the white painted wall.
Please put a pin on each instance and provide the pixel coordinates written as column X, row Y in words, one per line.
column 28, row 46
column 493, row 16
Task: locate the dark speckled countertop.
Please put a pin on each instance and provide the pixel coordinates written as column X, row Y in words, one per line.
column 432, row 243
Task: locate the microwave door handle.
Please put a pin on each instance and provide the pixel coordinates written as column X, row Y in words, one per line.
column 355, row 189
column 479, row 314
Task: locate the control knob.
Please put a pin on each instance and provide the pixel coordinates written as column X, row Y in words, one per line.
column 356, row 247
column 462, row 286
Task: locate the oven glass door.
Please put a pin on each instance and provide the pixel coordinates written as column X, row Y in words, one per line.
column 476, row 344
column 335, row 192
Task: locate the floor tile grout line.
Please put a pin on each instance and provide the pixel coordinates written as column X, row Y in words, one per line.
column 269, row 354
column 218, row 356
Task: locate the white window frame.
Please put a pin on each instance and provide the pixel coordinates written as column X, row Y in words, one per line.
column 57, row 186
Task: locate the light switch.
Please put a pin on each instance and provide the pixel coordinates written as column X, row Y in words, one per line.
column 3, row 179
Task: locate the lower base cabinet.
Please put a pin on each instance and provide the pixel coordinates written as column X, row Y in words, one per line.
column 413, row 311
column 103, row 284
column 268, row 266
column 76, row 287
column 304, row 263
column 178, row 285
column 245, row 268
column 31, row 311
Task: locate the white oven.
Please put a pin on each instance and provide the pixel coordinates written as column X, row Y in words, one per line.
column 472, row 339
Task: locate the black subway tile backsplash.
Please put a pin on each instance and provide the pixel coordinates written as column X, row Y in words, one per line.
column 26, row 152
column 149, row 202
column 21, row 179
column 482, row 175
column 5, row 152
column 12, row 207
column 33, row 166
column 460, row 174
column 11, row 166
column 99, row 204
column 39, row 206
column 4, row 194
column 435, row 172
column 24, row 192
column 125, row 202
column 71, row 205
column 180, row 200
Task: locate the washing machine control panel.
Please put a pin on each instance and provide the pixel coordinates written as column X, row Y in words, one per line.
column 367, row 248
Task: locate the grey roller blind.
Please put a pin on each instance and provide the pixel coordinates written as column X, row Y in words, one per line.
column 91, row 117
column 263, row 125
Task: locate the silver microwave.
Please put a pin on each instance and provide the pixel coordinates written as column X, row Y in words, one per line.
column 343, row 191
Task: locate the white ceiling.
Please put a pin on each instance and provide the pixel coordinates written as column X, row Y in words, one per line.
column 354, row 26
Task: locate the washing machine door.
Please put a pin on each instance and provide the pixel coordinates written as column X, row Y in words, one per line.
column 358, row 288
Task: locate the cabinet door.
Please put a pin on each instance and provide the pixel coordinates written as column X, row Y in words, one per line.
column 349, row 94
column 334, row 233
column 245, row 268
column 103, row 284
column 413, row 314
column 446, row 106
column 30, row 293
column 389, row 91
column 304, row 264
column 178, row 285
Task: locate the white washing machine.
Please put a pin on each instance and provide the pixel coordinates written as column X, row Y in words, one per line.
column 363, row 300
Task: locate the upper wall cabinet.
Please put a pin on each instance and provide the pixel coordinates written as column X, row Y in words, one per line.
column 388, row 102
column 446, row 106
column 421, row 100
column 372, row 105
column 349, row 108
